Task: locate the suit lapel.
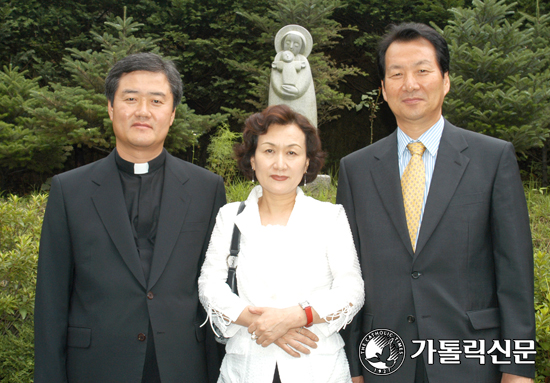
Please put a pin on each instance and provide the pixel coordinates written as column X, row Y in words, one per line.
column 386, row 179
column 109, row 203
column 449, row 168
column 173, row 210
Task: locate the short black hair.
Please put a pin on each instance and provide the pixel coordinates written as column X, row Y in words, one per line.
column 148, row 62
column 410, row 32
column 259, row 123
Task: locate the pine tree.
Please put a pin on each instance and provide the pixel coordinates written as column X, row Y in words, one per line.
column 500, row 73
column 89, row 69
column 24, row 146
column 50, row 124
column 541, row 36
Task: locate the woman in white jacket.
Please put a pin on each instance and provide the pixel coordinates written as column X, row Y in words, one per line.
column 298, row 275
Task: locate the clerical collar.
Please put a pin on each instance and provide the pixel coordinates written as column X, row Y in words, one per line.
column 148, row 167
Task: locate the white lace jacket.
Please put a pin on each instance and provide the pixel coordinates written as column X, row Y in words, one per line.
column 312, row 258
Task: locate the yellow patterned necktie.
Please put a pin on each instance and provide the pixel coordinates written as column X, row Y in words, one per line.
column 413, row 183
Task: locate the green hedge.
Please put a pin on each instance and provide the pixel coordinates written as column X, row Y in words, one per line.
column 538, row 201
column 20, row 225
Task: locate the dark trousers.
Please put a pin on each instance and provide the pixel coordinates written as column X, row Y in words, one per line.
column 276, row 377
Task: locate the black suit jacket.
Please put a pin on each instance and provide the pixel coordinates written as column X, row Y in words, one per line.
column 471, row 276
column 92, row 301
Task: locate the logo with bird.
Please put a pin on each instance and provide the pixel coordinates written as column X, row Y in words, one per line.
column 382, row 351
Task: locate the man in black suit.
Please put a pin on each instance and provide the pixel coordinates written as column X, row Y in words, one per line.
column 446, row 254
column 122, row 244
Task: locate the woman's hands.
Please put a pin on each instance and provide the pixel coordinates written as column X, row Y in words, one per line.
column 282, row 327
column 273, row 323
column 295, row 340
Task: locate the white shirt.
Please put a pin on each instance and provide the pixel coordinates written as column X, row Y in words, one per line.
column 312, row 258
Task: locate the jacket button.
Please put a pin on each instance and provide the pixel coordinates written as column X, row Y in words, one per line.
column 150, row 295
column 416, row 274
column 141, row 337
column 411, row 319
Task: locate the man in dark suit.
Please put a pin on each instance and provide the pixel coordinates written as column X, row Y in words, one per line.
column 446, row 254
column 122, row 244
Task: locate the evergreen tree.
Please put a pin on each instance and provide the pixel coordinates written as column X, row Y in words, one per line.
column 373, row 17
column 206, row 34
column 50, row 124
column 541, row 36
column 24, row 144
column 500, row 73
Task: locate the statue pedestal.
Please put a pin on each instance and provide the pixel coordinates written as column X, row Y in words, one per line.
column 321, row 182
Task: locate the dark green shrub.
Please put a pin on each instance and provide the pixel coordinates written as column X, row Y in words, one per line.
column 20, row 226
column 220, row 154
column 538, row 201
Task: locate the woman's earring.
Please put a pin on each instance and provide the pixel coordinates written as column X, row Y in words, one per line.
column 253, row 172
column 305, row 180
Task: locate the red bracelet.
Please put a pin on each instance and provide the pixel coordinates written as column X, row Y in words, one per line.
column 309, row 314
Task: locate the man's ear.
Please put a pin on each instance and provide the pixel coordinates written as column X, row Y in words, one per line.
column 383, row 90
column 110, row 109
column 446, row 82
column 173, row 117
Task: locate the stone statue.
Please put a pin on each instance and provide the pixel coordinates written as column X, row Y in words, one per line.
column 291, row 81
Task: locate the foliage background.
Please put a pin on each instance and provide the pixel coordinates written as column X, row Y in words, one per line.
column 54, row 55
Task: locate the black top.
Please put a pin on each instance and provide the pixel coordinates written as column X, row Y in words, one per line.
column 142, row 193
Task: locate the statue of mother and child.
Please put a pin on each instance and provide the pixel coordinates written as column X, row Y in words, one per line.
column 291, row 80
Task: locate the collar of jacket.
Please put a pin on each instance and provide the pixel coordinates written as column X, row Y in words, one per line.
column 249, row 220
